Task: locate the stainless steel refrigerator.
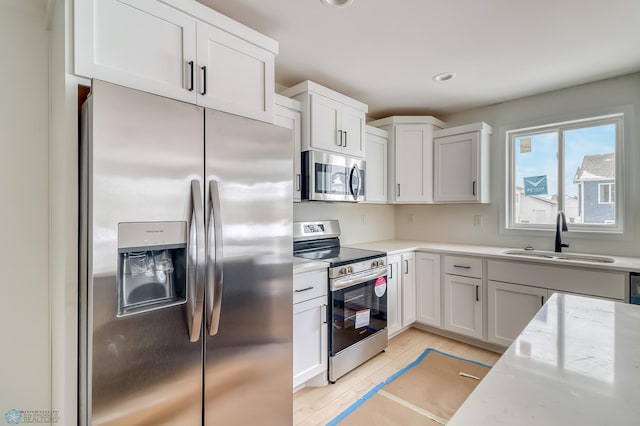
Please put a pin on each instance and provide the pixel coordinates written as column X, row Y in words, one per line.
column 186, row 255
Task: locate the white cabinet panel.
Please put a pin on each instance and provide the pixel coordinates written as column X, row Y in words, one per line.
column 408, row 289
column 461, row 164
column 141, row 44
column 428, row 289
column 352, row 125
column 325, row 123
column 410, row 157
column 234, row 75
column 331, row 121
column 309, row 285
column 376, row 141
column 310, row 345
column 288, row 113
column 510, row 308
column 394, row 307
column 463, row 265
column 463, row 305
column 163, row 49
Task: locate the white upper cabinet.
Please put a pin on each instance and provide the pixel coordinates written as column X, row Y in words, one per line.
column 461, row 164
column 179, row 49
column 410, row 157
column 288, row 113
column 331, row 121
column 376, row 141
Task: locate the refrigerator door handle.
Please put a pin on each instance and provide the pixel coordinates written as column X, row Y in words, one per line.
column 196, row 266
column 215, row 279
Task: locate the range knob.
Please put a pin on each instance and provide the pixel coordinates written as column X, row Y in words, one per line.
column 349, row 270
column 381, row 262
column 342, row 271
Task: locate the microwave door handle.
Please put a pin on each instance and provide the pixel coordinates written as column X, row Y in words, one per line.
column 195, row 264
column 354, row 171
column 215, row 278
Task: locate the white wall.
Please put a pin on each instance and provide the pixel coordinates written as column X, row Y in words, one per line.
column 358, row 222
column 24, row 207
column 455, row 223
column 63, row 166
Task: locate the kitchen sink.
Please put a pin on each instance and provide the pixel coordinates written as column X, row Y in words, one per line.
column 560, row 256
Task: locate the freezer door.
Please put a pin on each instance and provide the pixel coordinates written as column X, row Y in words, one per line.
column 141, row 349
column 248, row 355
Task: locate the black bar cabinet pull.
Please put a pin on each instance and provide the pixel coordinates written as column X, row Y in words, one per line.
column 191, row 76
column 204, row 80
column 477, row 293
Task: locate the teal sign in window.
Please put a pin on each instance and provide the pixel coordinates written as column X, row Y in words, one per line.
column 535, row 185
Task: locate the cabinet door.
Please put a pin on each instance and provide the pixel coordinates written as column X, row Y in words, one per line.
column 376, row 173
column 394, row 308
column 292, row 119
column 428, row 289
column 413, row 145
column 408, row 289
column 141, row 44
column 310, row 345
column 234, row 75
column 456, row 176
column 463, row 305
column 325, row 123
column 511, row 307
column 352, row 125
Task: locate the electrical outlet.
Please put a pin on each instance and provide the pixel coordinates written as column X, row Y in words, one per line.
column 363, row 218
column 477, row 220
column 412, row 218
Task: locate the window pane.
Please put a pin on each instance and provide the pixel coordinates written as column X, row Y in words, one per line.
column 536, row 178
column 589, row 171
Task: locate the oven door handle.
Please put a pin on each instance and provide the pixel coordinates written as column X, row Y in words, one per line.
column 340, row 283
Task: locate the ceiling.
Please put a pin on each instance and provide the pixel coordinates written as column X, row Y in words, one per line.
column 385, row 52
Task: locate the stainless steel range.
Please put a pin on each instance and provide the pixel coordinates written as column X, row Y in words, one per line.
column 357, row 294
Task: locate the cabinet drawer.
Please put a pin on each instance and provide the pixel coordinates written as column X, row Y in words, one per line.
column 309, row 285
column 464, row 266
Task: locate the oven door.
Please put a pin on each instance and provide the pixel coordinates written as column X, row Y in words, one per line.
column 358, row 308
column 332, row 177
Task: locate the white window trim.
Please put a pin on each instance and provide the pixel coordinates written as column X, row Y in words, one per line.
column 624, row 227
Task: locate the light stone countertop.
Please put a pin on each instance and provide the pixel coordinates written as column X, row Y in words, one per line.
column 627, row 264
column 576, row 363
column 304, row 265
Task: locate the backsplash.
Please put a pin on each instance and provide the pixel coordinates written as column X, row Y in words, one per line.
column 358, row 222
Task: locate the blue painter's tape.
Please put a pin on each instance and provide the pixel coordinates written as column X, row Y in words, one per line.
column 391, row 378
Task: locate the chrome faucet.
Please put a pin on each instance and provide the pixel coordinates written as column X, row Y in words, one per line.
column 561, row 225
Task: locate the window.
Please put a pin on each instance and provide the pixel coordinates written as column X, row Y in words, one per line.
column 571, row 166
column 607, row 193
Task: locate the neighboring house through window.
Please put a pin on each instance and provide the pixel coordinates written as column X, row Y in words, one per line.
column 574, row 166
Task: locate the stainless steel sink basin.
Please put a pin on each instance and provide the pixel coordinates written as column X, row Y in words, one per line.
column 560, row 256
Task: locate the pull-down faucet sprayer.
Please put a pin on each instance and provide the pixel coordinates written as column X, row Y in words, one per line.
column 561, row 225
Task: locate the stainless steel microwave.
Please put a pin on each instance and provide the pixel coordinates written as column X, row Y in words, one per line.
column 332, row 177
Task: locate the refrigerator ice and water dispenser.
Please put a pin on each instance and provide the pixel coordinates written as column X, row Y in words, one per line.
column 151, row 266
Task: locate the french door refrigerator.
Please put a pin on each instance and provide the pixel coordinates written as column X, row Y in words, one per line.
column 186, row 255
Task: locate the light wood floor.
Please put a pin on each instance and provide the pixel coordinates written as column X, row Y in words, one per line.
column 317, row 406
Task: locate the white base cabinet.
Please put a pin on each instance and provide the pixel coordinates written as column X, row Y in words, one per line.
column 428, row 289
column 394, row 306
column 310, row 329
column 408, row 289
column 510, row 308
column 401, row 292
column 463, row 305
column 463, row 295
column 161, row 47
column 310, row 345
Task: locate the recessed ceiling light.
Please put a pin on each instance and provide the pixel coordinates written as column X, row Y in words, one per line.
column 336, row 3
column 444, row 76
